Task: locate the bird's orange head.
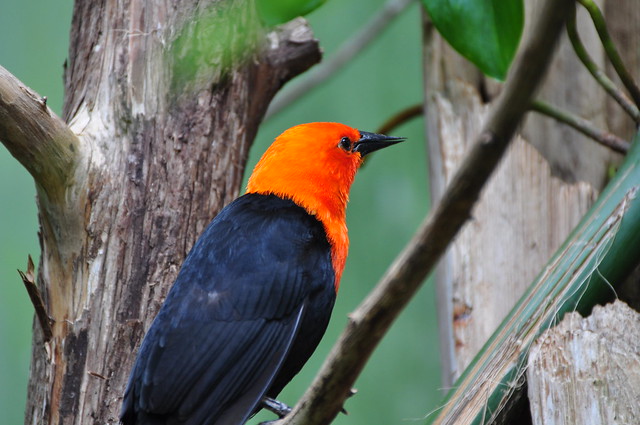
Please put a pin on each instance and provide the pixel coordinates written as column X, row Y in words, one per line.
column 314, row 165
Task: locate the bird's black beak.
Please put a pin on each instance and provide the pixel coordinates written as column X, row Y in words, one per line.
column 370, row 142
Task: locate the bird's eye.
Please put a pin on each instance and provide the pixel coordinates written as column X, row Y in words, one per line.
column 345, row 144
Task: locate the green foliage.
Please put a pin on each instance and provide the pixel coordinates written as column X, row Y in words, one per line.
column 208, row 46
column 486, row 32
column 275, row 12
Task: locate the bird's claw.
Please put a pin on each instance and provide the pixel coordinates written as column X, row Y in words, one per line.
column 275, row 406
column 282, row 410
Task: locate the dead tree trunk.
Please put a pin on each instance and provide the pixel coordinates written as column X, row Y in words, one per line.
column 585, row 370
column 150, row 154
column 547, row 181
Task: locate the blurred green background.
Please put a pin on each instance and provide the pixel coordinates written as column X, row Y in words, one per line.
column 401, row 382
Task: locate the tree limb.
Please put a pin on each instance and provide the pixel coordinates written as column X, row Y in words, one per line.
column 611, row 51
column 602, row 79
column 36, row 136
column 371, row 320
column 582, row 125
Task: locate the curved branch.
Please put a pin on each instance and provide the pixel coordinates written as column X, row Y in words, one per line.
column 610, row 49
column 36, row 137
column 602, row 79
column 585, row 127
column 371, row 320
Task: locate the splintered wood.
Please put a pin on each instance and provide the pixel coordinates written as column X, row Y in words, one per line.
column 587, row 370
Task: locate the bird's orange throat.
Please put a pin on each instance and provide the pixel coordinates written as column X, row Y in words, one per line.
column 336, row 229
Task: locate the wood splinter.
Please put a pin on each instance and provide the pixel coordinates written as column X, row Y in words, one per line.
column 36, row 299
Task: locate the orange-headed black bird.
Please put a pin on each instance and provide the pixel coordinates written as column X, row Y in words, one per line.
column 254, row 295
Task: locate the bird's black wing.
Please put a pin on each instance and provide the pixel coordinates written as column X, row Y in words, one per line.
column 229, row 320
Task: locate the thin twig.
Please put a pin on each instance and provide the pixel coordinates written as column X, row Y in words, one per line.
column 582, row 125
column 36, row 299
column 597, row 73
column 400, row 118
column 610, row 49
column 371, row 320
column 347, row 52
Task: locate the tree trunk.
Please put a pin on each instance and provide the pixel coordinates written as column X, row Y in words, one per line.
column 585, row 370
column 162, row 118
column 535, row 199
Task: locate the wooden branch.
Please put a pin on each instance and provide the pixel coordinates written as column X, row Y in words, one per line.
column 582, row 125
column 292, row 49
column 36, row 136
column 368, row 324
column 28, row 278
column 611, row 50
column 598, row 74
column 585, row 370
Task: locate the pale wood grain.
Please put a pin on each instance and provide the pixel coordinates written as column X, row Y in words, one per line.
column 587, row 370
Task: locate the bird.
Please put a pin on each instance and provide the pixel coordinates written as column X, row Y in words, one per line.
column 254, row 295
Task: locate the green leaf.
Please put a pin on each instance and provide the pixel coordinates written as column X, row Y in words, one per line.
column 486, row 32
column 275, row 12
column 208, row 46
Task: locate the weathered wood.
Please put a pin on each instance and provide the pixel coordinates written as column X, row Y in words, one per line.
column 157, row 154
column 602, row 249
column 36, row 136
column 587, row 370
column 519, row 222
column 529, row 207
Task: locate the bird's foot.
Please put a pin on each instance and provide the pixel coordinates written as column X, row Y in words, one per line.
column 282, row 410
column 275, row 406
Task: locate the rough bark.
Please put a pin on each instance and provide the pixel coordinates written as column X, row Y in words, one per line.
column 154, row 155
column 530, row 206
column 585, row 370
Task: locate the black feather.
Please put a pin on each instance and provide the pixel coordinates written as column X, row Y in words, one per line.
column 249, row 306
